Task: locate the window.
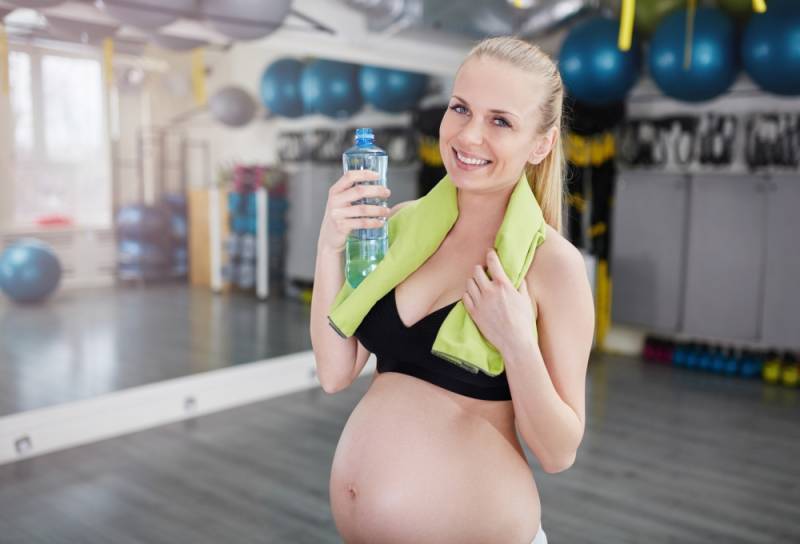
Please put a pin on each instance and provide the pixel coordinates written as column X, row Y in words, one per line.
column 61, row 150
column 22, row 101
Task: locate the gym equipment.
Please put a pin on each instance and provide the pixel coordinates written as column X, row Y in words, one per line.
column 248, row 247
column 771, row 371
column 233, row 245
column 29, row 271
column 179, row 228
column 280, row 88
column 650, row 12
column 593, row 68
column 665, row 353
column 246, row 275
column 679, row 355
column 256, row 18
column 148, row 238
column 175, row 205
column 790, row 372
column 331, row 88
column 147, row 14
column 136, row 272
column 391, row 90
column 180, row 255
column 770, row 48
column 648, row 351
column 693, row 356
column 706, row 358
column 750, row 365
column 732, row 361
column 718, row 361
column 143, row 253
column 714, row 59
column 141, row 221
column 232, row 106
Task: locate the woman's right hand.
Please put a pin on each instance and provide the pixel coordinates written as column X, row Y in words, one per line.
column 341, row 216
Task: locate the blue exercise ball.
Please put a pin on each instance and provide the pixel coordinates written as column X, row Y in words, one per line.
column 176, row 202
column 391, row 90
column 593, row 68
column 179, row 228
column 771, row 48
column 142, row 253
column 331, row 88
column 714, row 62
column 29, row 271
column 280, row 88
column 140, row 221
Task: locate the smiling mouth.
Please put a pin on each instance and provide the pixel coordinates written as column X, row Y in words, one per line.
column 467, row 161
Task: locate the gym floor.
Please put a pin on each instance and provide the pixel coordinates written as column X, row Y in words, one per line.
column 89, row 342
column 668, row 456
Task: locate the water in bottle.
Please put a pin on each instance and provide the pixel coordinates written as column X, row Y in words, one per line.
column 365, row 248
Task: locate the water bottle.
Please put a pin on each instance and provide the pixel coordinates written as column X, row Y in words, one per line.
column 365, row 248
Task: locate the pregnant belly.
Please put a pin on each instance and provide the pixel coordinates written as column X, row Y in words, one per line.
column 412, row 466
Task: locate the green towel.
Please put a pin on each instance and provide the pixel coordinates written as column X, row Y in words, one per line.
column 415, row 233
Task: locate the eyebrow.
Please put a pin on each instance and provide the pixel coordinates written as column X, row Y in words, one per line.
column 493, row 111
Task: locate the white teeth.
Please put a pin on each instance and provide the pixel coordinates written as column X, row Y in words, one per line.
column 475, row 162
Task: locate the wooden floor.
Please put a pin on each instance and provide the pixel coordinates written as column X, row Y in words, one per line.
column 88, row 342
column 668, row 456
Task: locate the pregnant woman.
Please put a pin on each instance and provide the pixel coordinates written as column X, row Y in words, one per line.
column 431, row 452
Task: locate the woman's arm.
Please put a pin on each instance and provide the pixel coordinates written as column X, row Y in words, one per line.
column 339, row 361
column 334, row 356
column 548, row 378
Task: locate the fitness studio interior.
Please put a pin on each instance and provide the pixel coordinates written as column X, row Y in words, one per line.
column 165, row 174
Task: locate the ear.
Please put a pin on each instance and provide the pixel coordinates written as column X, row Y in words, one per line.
column 544, row 143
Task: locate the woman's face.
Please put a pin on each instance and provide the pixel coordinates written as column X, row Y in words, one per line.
column 491, row 121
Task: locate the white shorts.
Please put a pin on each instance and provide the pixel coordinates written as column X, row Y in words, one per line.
column 540, row 537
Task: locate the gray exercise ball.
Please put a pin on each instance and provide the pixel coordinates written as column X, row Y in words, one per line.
column 233, row 106
column 245, row 19
column 148, row 14
column 35, row 4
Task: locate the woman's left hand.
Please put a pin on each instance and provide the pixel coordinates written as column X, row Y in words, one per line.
column 503, row 313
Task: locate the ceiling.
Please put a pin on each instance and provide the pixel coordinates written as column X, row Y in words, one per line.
column 474, row 19
column 446, row 26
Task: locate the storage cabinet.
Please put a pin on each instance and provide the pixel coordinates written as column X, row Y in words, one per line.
column 715, row 256
column 649, row 229
column 781, row 316
column 724, row 257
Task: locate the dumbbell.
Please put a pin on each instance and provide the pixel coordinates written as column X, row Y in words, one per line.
column 771, row 371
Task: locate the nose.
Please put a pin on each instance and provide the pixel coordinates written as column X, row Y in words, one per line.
column 471, row 133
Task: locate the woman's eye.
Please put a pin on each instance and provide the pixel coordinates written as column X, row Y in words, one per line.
column 458, row 109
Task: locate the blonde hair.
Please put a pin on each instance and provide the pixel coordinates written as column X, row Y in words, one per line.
column 546, row 178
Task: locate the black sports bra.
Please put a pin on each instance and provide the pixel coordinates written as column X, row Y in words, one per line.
column 408, row 350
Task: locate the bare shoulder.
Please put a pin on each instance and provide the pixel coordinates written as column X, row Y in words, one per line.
column 555, row 261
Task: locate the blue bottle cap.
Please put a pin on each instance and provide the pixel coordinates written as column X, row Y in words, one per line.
column 364, row 134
